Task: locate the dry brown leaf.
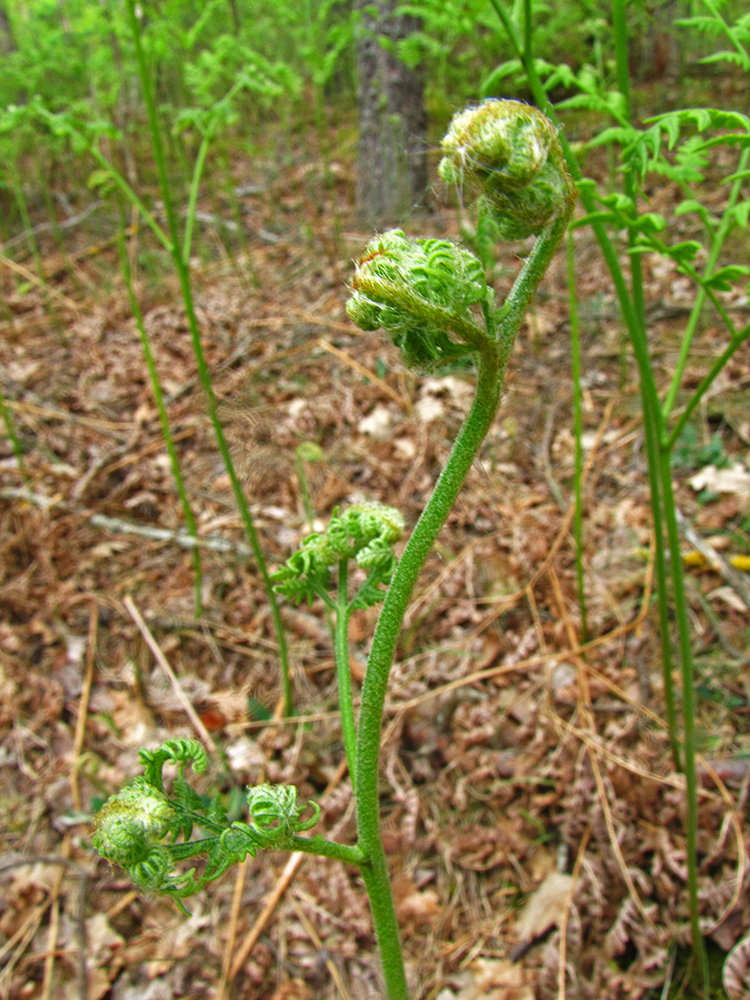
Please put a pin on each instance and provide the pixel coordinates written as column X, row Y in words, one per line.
column 736, row 975
column 132, row 718
column 294, row 990
column 414, row 907
column 734, row 479
column 544, row 908
column 493, row 980
column 104, row 955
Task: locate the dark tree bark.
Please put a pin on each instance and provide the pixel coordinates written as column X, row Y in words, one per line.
column 235, row 16
column 7, row 41
column 657, row 51
column 392, row 161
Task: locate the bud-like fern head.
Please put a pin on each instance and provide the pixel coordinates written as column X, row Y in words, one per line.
column 423, row 293
column 131, row 822
column 275, row 812
column 511, row 153
column 363, row 532
column 150, row 833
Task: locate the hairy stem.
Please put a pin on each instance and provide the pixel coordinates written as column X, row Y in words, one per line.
column 343, row 674
column 349, row 854
column 491, row 365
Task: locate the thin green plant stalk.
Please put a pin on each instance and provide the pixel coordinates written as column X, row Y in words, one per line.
column 343, row 674
column 688, row 717
column 382, row 652
column 652, row 420
column 23, row 210
column 204, row 373
column 132, row 197
column 43, row 186
column 575, row 354
column 304, row 486
column 166, row 429
column 200, row 162
column 737, row 341
column 716, row 14
column 10, row 429
column 490, row 372
column 653, row 414
column 665, row 522
column 695, row 313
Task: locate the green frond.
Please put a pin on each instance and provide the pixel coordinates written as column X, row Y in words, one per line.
column 178, row 751
column 363, row 532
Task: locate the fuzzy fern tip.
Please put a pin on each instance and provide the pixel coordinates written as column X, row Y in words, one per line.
column 510, row 152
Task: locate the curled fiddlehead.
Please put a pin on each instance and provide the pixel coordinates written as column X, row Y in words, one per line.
column 424, row 293
column 149, row 832
column 363, row 532
column 510, row 153
column 130, row 822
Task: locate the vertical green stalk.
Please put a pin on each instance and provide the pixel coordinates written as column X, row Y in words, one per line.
column 304, row 486
column 736, row 342
column 200, row 162
column 657, row 448
column 575, row 349
column 166, row 430
column 375, row 869
column 204, row 374
column 688, row 716
column 652, row 417
column 716, row 245
column 658, row 440
column 23, row 210
column 491, row 366
column 10, row 429
column 343, row 674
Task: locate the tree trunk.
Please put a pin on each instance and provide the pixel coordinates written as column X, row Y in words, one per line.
column 7, row 41
column 392, row 162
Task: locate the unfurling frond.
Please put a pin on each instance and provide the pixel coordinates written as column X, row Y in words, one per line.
column 363, row 532
column 510, row 152
column 423, row 293
column 148, row 832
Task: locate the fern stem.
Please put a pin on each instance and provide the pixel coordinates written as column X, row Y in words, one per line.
column 204, row 373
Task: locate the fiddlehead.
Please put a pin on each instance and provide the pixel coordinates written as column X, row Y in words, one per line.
column 363, row 532
column 148, row 832
column 510, row 153
column 130, row 822
column 424, row 293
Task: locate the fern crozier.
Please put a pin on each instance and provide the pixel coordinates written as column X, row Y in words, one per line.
column 509, row 151
column 424, row 293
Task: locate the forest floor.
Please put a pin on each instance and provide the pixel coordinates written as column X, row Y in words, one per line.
column 527, row 782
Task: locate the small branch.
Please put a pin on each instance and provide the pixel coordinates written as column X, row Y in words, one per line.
column 44, row 227
column 164, row 664
column 714, row 559
column 116, row 524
